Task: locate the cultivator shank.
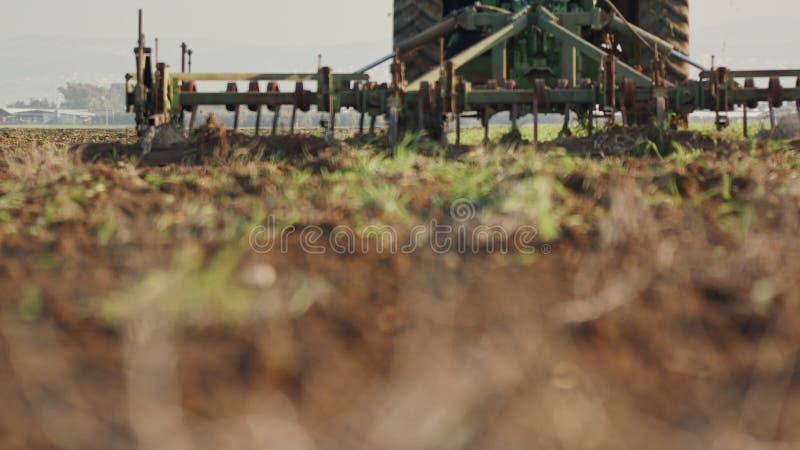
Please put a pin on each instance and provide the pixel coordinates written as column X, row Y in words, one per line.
column 517, row 48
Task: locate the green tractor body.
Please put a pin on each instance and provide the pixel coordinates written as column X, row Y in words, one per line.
column 536, row 55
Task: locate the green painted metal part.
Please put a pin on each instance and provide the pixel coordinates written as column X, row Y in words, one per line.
column 548, row 22
column 532, row 53
column 518, row 23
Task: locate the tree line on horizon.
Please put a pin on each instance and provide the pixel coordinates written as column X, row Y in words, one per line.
column 81, row 96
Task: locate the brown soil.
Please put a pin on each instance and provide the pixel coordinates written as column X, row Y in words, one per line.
column 658, row 329
column 639, row 141
column 210, row 143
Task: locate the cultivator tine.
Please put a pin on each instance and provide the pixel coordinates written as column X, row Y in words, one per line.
column 420, row 113
column 490, row 85
column 360, row 106
column 513, row 114
column 298, row 93
column 233, row 88
column 565, row 131
column 587, row 84
column 188, row 86
column 275, row 118
column 661, row 112
column 258, row 122
column 372, row 119
column 628, row 97
column 458, row 129
column 485, row 123
column 511, row 85
column 254, row 89
column 539, row 98
column 273, row 87
column 609, row 72
column 775, row 100
column 744, row 121
column 772, row 124
column 749, row 83
column 424, row 104
column 445, row 131
column 393, row 126
column 192, row 119
column 535, row 123
column 797, row 102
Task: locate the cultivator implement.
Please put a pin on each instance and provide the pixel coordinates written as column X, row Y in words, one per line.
column 539, row 57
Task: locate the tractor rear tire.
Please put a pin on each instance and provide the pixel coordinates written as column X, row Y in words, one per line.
column 410, row 18
column 669, row 20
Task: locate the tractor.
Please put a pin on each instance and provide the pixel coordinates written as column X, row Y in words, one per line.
column 454, row 59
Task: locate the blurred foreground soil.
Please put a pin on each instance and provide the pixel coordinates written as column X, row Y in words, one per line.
column 652, row 327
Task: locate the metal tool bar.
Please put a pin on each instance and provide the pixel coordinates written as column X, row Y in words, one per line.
column 262, row 76
column 754, row 73
column 746, row 95
column 243, row 98
column 526, row 97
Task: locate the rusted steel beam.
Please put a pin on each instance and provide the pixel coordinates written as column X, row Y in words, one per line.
column 243, row 98
column 262, row 76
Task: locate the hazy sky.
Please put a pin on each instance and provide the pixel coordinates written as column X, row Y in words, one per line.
column 246, row 34
column 248, row 21
column 717, row 24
